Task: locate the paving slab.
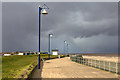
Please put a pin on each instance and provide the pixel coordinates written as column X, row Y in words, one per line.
column 65, row 68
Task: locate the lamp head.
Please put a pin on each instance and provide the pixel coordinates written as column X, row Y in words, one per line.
column 68, row 45
column 44, row 12
column 65, row 42
column 51, row 35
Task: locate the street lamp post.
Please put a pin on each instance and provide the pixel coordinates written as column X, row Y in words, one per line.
column 49, row 48
column 65, row 46
column 42, row 10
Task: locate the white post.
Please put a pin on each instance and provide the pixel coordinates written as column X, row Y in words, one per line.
column 59, row 56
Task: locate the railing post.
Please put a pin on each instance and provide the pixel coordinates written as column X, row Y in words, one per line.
column 99, row 64
column 116, row 67
column 91, row 62
column 104, row 65
column 82, row 60
column 95, row 63
column 76, row 59
column 109, row 65
column 88, row 62
column 85, row 61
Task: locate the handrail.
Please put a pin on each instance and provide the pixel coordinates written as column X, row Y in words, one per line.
column 101, row 64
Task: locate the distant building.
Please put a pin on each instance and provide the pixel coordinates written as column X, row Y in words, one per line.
column 20, row 53
column 6, row 54
column 54, row 52
column 17, row 53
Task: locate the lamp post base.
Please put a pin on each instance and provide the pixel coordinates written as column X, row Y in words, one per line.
column 48, row 56
column 39, row 61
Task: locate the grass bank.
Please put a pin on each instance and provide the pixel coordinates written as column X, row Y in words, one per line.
column 14, row 66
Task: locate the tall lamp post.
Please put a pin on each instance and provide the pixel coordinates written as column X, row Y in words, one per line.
column 49, row 48
column 65, row 46
column 42, row 10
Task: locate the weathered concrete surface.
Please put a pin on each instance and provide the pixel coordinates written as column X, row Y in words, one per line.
column 65, row 68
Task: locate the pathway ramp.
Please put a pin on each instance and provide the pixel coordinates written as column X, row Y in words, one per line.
column 65, row 68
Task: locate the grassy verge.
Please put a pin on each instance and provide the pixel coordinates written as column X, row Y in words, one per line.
column 14, row 66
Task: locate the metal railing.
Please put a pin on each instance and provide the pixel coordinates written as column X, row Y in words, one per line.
column 104, row 65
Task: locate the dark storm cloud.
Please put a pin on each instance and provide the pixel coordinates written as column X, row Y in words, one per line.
column 70, row 21
column 83, row 19
column 20, row 25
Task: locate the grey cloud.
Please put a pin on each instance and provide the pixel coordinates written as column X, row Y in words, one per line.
column 100, row 16
column 67, row 21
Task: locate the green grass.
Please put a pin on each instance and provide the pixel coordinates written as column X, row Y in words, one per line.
column 14, row 66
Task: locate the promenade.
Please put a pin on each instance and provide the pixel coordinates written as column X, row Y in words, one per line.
column 65, row 68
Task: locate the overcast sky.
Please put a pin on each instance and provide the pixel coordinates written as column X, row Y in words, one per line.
column 87, row 26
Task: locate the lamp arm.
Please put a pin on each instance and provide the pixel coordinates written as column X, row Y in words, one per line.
column 45, row 6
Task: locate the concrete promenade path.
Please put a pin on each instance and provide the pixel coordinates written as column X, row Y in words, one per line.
column 65, row 68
